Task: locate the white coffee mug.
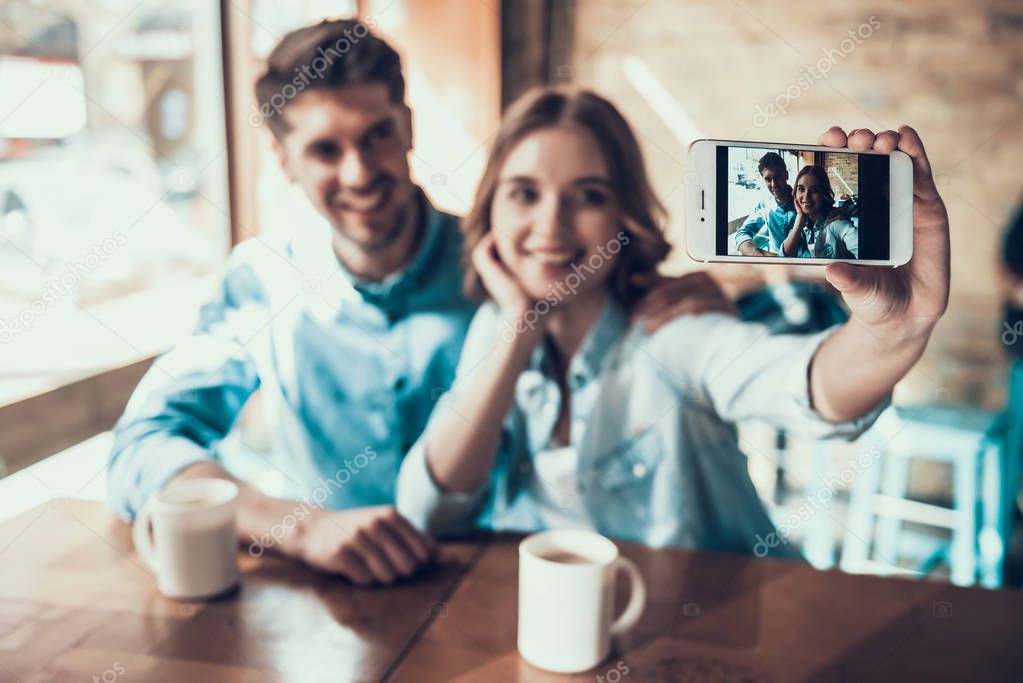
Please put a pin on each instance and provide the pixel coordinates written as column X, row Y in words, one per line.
column 566, row 595
column 194, row 545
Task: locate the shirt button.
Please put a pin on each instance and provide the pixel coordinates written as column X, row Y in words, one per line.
column 399, row 384
column 638, row 470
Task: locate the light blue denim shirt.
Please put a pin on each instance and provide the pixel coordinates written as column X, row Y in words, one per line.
column 830, row 238
column 651, row 417
column 349, row 371
column 779, row 219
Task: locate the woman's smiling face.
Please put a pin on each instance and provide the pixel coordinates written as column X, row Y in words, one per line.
column 811, row 195
column 554, row 207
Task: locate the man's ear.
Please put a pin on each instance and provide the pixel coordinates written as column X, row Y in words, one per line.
column 282, row 156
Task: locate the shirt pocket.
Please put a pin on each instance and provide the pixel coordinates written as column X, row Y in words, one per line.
column 620, row 488
column 629, row 463
column 620, row 495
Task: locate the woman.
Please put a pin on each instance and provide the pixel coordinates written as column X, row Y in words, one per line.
column 818, row 231
column 564, row 415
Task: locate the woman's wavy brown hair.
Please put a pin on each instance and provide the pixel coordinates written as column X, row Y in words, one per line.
column 642, row 213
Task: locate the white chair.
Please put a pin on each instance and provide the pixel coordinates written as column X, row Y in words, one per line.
column 879, row 505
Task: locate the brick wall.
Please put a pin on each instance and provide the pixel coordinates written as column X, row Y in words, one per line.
column 842, row 167
column 954, row 70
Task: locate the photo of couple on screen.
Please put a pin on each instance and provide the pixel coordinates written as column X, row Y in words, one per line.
column 797, row 204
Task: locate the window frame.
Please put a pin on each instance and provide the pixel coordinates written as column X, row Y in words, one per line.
column 81, row 409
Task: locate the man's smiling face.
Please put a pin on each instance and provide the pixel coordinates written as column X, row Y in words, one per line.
column 777, row 183
column 348, row 150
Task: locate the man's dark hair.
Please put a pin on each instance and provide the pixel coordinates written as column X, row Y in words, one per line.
column 329, row 55
column 772, row 160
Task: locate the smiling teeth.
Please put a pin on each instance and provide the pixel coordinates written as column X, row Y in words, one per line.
column 554, row 259
column 363, row 203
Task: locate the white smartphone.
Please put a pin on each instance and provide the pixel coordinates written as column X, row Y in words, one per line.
column 765, row 202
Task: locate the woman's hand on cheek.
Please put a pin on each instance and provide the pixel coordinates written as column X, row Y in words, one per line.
column 800, row 212
column 502, row 285
column 904, row 302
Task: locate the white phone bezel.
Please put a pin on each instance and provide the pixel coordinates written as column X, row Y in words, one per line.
column 701, row 206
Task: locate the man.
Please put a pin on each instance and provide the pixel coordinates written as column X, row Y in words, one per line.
column 352, row 333
column 777, row 212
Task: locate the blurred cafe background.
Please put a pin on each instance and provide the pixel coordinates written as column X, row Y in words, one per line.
column 130, row 164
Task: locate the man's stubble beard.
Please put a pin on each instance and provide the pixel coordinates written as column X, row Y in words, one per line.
column 406, row 220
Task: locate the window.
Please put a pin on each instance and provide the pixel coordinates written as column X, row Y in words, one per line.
column 113, row 183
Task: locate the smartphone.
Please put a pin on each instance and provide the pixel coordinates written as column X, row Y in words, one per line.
column 765, row 202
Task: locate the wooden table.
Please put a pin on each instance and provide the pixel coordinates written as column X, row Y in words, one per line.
column 76, row 604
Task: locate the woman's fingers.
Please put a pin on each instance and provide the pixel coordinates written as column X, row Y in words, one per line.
column 861, row 140
column 500, row 283
column 905, row 139
column 842, row 276
column 923, row 182
column 832, row 137
column 886, row 141
column 483, row 253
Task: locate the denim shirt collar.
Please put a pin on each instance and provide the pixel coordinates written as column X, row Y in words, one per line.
column 587, row 362
column 314, row 253
column 537, row 391
column 788, row 205
column 396, row 286
column 609, row 328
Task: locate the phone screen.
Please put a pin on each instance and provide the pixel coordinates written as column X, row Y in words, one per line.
column 802, row 203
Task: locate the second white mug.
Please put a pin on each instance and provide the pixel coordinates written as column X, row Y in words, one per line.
column 566, row 596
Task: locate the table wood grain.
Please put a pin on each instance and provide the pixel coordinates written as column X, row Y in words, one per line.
column 721, row 617
column 76, row 604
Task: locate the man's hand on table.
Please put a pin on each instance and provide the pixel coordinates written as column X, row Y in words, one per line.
column 369, row 545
